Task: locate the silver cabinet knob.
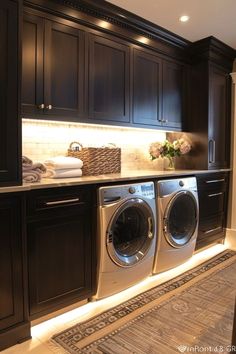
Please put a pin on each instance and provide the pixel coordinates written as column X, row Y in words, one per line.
column 49, row 107
column 41, row 106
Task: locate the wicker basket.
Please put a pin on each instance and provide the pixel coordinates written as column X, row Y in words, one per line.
column 97, row 161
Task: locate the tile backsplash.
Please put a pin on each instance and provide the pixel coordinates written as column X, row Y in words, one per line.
column 42, row 140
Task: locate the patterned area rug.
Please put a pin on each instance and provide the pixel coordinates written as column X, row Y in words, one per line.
column 190, row 313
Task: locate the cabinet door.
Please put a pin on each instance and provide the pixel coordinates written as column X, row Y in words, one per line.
column 11, row 282
column 108, row 80
column 10, row 134
column 147, row 88
column 218, row 134
column 32, row 65
column 64, row 70
column 59, row 251
column 173, row 106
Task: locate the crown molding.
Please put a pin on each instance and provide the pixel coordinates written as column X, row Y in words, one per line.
column 125, row 19
column 213, row 50
column 123, row 24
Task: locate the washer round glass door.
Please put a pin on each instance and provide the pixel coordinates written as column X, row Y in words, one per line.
column 180, row 219
column 130, row 232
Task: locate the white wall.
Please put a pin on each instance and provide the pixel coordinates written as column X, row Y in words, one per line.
column 231, row 232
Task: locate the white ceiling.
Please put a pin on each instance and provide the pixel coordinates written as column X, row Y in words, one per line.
column 207, row 17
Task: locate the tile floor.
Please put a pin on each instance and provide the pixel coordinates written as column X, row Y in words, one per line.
column 42, row 332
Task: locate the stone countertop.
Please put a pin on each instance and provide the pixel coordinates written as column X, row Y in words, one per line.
column 124, row 176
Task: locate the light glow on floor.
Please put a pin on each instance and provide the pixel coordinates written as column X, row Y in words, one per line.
column 93, row 308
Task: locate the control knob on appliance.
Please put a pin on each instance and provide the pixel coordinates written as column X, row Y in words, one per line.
column 181, row 183
column 132, row 190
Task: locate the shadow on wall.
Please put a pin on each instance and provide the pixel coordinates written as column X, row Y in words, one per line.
column 191, row 160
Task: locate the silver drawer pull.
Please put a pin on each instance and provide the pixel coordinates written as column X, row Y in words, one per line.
column 214, row 194
column 58, row 202
column 216, row 180
column 215, row 229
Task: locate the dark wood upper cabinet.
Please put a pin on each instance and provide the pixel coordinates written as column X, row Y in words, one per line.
column 13, row 320
column 76, row 67
column 108, row 79
column 64, row 70
column 174, row 94
column 32, row 95
column 219, row 106
column 53, row 69
column 10, row 128
column 158, row 91
column 147, row 88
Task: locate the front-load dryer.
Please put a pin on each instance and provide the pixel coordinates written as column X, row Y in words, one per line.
column 126, row 236
column 177, row 209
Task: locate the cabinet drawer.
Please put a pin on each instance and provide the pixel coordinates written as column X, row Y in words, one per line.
column 211, row 202
column 211, row 226
column 212, row 181
column 49, row 200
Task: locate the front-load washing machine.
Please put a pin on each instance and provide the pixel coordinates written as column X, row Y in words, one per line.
column 177, row 225
column 126, row 236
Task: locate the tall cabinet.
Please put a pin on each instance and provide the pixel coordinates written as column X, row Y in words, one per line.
column 210, row 95
column 10, row 132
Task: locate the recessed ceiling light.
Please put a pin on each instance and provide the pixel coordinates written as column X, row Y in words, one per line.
column 184, row 18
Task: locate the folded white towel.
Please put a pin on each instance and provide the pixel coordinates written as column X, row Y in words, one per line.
column 39, row 167
column 31, row 176
column 26, row 162
column 63, row 162
column 63, row 173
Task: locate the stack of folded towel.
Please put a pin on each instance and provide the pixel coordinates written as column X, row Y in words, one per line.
column 63, row 167
column 32, row 172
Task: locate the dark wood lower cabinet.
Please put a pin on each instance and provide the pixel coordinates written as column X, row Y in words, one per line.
column 212, row 193
column 14, row 325
column 60, row 250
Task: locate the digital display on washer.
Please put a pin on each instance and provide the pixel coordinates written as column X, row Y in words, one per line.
column 147, row 188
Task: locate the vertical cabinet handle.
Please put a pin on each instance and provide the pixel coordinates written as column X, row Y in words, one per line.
column 212, row 150
column 41, row 106
column 49, row 107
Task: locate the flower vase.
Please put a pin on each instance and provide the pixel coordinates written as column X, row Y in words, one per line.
column 171, row 163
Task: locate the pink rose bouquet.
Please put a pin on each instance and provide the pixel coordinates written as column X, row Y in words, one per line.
column 169, row 150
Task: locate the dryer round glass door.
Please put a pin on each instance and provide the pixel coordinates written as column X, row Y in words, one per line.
column 180, row 219
column 130, row 232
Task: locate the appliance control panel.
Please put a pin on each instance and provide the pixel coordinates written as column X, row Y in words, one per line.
column 167, row 187
column 113, row 194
